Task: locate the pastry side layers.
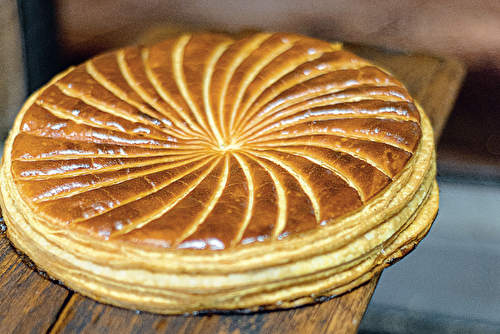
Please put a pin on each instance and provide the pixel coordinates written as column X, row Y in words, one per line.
column 137, row 284
column 282, row 219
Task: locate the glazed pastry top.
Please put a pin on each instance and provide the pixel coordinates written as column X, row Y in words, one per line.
column 209, row 142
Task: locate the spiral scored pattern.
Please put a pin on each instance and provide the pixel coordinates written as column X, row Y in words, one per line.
column 207, row 142
column 211, row 173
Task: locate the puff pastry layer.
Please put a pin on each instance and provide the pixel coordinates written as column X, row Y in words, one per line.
column 211, row 173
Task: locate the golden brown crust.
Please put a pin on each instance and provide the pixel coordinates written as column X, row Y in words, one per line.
column 210, row 173
column 271, row 135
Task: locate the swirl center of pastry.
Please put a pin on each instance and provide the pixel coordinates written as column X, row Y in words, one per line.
column 228, row 147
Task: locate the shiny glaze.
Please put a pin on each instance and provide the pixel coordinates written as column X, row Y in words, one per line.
column 205, row 142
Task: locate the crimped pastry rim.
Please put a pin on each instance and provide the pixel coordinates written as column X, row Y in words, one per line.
column 202, row 256
column 116, row 298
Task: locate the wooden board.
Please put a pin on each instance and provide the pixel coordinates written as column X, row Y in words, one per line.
column 30, row 303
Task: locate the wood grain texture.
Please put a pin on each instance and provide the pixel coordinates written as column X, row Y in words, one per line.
column 29, row 303
column 338, row 315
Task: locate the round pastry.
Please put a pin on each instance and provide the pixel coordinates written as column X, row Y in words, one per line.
column 207, row 172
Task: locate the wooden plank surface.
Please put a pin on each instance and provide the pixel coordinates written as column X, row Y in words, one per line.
column 83, row 315
column 32, row 304
column 28, row 302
